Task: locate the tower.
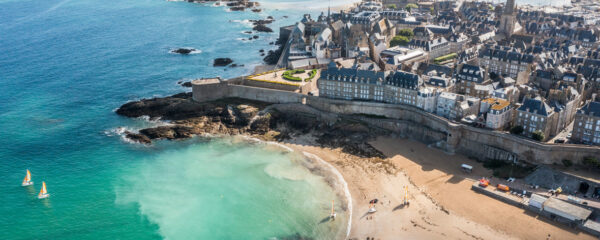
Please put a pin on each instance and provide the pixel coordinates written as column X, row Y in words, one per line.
column 508, row 18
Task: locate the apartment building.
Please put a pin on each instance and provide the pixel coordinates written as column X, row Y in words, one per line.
column 586, row 128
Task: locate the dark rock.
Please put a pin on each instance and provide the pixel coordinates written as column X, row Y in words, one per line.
column 237, row 8
column 136, row 137
column 262, row 28
column 248, row 32
column 262, row 54
column 261, row 22
column 168, row 132
column 273, row 56
column 256, row 9
column 219, row 62
column 270, row 17
column 183, row 51
column 233, row 65
column 262, row 50
column 255, row 36
column 187, row 84
column 271, row 43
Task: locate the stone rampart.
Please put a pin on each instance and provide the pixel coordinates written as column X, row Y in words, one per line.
column 410, row 122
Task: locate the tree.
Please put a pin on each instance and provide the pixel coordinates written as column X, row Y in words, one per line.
column 399, row 40
column 411, row 6
column 538, row 135
column 407, row 32
column 567, row 162
column 392, row 6
column 516, row 130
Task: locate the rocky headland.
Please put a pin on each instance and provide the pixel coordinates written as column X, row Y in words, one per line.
column 243, row 117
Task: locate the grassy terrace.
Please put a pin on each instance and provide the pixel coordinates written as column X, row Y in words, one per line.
column 296, row 77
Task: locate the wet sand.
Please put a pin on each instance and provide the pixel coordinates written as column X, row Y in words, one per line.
column 370, row 178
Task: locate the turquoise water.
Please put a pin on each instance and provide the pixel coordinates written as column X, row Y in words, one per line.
column 66, row 65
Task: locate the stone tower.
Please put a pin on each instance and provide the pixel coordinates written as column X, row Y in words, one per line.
column 508, row 18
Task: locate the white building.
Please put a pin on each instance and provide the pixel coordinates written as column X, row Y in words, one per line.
column 498, row 112
column 445, row 104
column 426, row 99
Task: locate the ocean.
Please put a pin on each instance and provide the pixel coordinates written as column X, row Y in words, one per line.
column 65, row 66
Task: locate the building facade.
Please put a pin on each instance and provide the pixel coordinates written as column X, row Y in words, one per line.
column 586, row 128
column 498, row 113
column 536, row 115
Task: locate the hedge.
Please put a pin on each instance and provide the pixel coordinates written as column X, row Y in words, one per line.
column 288, row 75
column 445, row 57
column 311, row 75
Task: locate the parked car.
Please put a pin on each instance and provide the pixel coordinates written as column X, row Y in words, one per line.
column 560, row 140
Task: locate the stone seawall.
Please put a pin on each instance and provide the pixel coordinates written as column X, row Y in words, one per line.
column 408, row 121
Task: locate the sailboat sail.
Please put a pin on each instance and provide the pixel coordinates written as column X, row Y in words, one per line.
column 27, row 180
column 43, row 191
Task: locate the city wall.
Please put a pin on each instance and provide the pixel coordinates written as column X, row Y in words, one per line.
column 411, row 122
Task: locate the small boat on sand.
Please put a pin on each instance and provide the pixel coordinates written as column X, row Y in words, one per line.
column 332, row 216
column 43, row 193
column 372, row 208
column 27, row 180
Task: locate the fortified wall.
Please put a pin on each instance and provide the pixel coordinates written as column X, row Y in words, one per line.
column 409, row 122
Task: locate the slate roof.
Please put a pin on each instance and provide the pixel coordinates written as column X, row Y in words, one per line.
column 440, row 69
column 404, row 80
column 333, row 73
column 506, row 55
column 475, row 72
column 591, row 107
column 536, row 106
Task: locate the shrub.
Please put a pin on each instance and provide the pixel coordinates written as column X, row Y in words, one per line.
column 411, row 6
column 311, row 75
column 288, row 75
column 591, row 162
column 445, row 57
column 399, row 40
column 407, row 32
column 567, row 162
column 538, row 135
column 392, row 6
column 516, row 130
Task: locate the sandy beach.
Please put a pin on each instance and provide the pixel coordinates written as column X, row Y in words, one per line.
column 442, row 206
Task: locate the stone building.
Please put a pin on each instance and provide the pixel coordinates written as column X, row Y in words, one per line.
column 351, row 83
column 506, row 62
column 586, row 128
column 508, row 19
column 435, row 48
column 455, row 106
column 498, row 113
column 470, row 79
column 536, row 115
column 402, row 87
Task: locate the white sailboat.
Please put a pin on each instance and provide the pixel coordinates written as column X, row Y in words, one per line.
column 332, row 216
column 43, row 193
column 27, row 180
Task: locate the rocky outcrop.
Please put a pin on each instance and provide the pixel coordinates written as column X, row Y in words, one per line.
column 273, row 56
column 183, row 51
column 220, row 62
column 262, row 28
column 237, row 116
